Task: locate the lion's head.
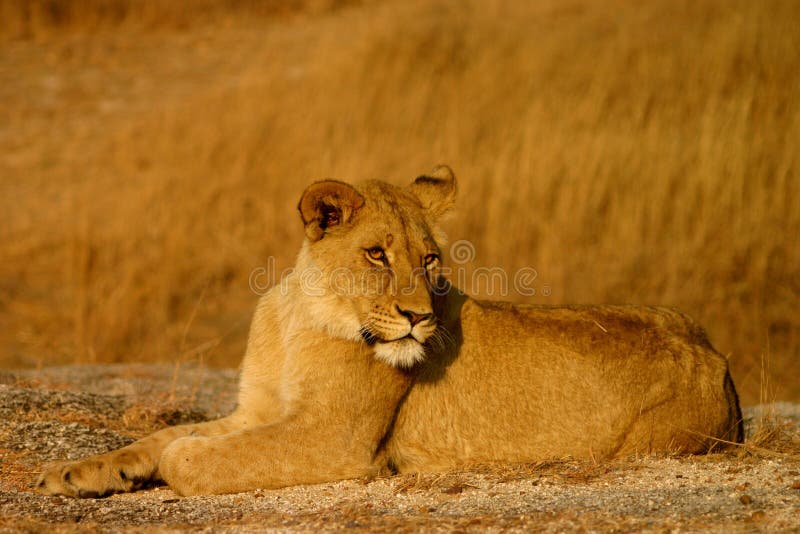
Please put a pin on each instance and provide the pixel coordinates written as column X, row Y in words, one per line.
column 371, row 261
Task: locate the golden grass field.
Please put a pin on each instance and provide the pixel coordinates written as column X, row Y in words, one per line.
column 152, row 157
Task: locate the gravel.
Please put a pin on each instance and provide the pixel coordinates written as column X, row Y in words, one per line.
column 70, row 412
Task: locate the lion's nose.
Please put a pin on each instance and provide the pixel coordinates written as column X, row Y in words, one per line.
column 413, row 317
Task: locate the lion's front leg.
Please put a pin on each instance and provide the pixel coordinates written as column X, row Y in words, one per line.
column 125, row 469
column 272, row 456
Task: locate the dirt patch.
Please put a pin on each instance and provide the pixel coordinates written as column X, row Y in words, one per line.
column 755, row 487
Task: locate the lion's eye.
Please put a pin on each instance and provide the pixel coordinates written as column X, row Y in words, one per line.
column 376, row 254
column 431, row 261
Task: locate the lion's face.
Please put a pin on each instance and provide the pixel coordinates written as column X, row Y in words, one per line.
column 371, row 261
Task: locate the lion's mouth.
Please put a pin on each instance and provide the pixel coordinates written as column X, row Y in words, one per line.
column 371, row 338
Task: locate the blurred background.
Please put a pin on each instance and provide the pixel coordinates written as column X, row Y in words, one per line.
column 152, row 155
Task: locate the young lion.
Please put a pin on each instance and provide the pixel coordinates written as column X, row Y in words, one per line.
column 364, row 360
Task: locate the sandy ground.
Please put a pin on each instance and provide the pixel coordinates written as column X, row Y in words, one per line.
column 69, row 412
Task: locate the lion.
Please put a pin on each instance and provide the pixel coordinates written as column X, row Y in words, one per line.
column 365, row 360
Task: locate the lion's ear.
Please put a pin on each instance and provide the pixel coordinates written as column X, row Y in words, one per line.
column 436, row 191
column 327, row 204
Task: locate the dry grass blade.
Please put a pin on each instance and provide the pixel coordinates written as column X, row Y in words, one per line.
column 773, row 437
column 151, row 152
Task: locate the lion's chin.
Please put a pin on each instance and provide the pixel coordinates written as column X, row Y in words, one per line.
column 401, row 353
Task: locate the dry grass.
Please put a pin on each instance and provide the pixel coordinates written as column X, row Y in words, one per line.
column 632, row 152
column 775, row 438
column 40, row 19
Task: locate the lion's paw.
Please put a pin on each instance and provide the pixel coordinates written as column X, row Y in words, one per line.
column 94, row 477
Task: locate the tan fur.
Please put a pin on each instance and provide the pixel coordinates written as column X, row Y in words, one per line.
column 361, row 361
